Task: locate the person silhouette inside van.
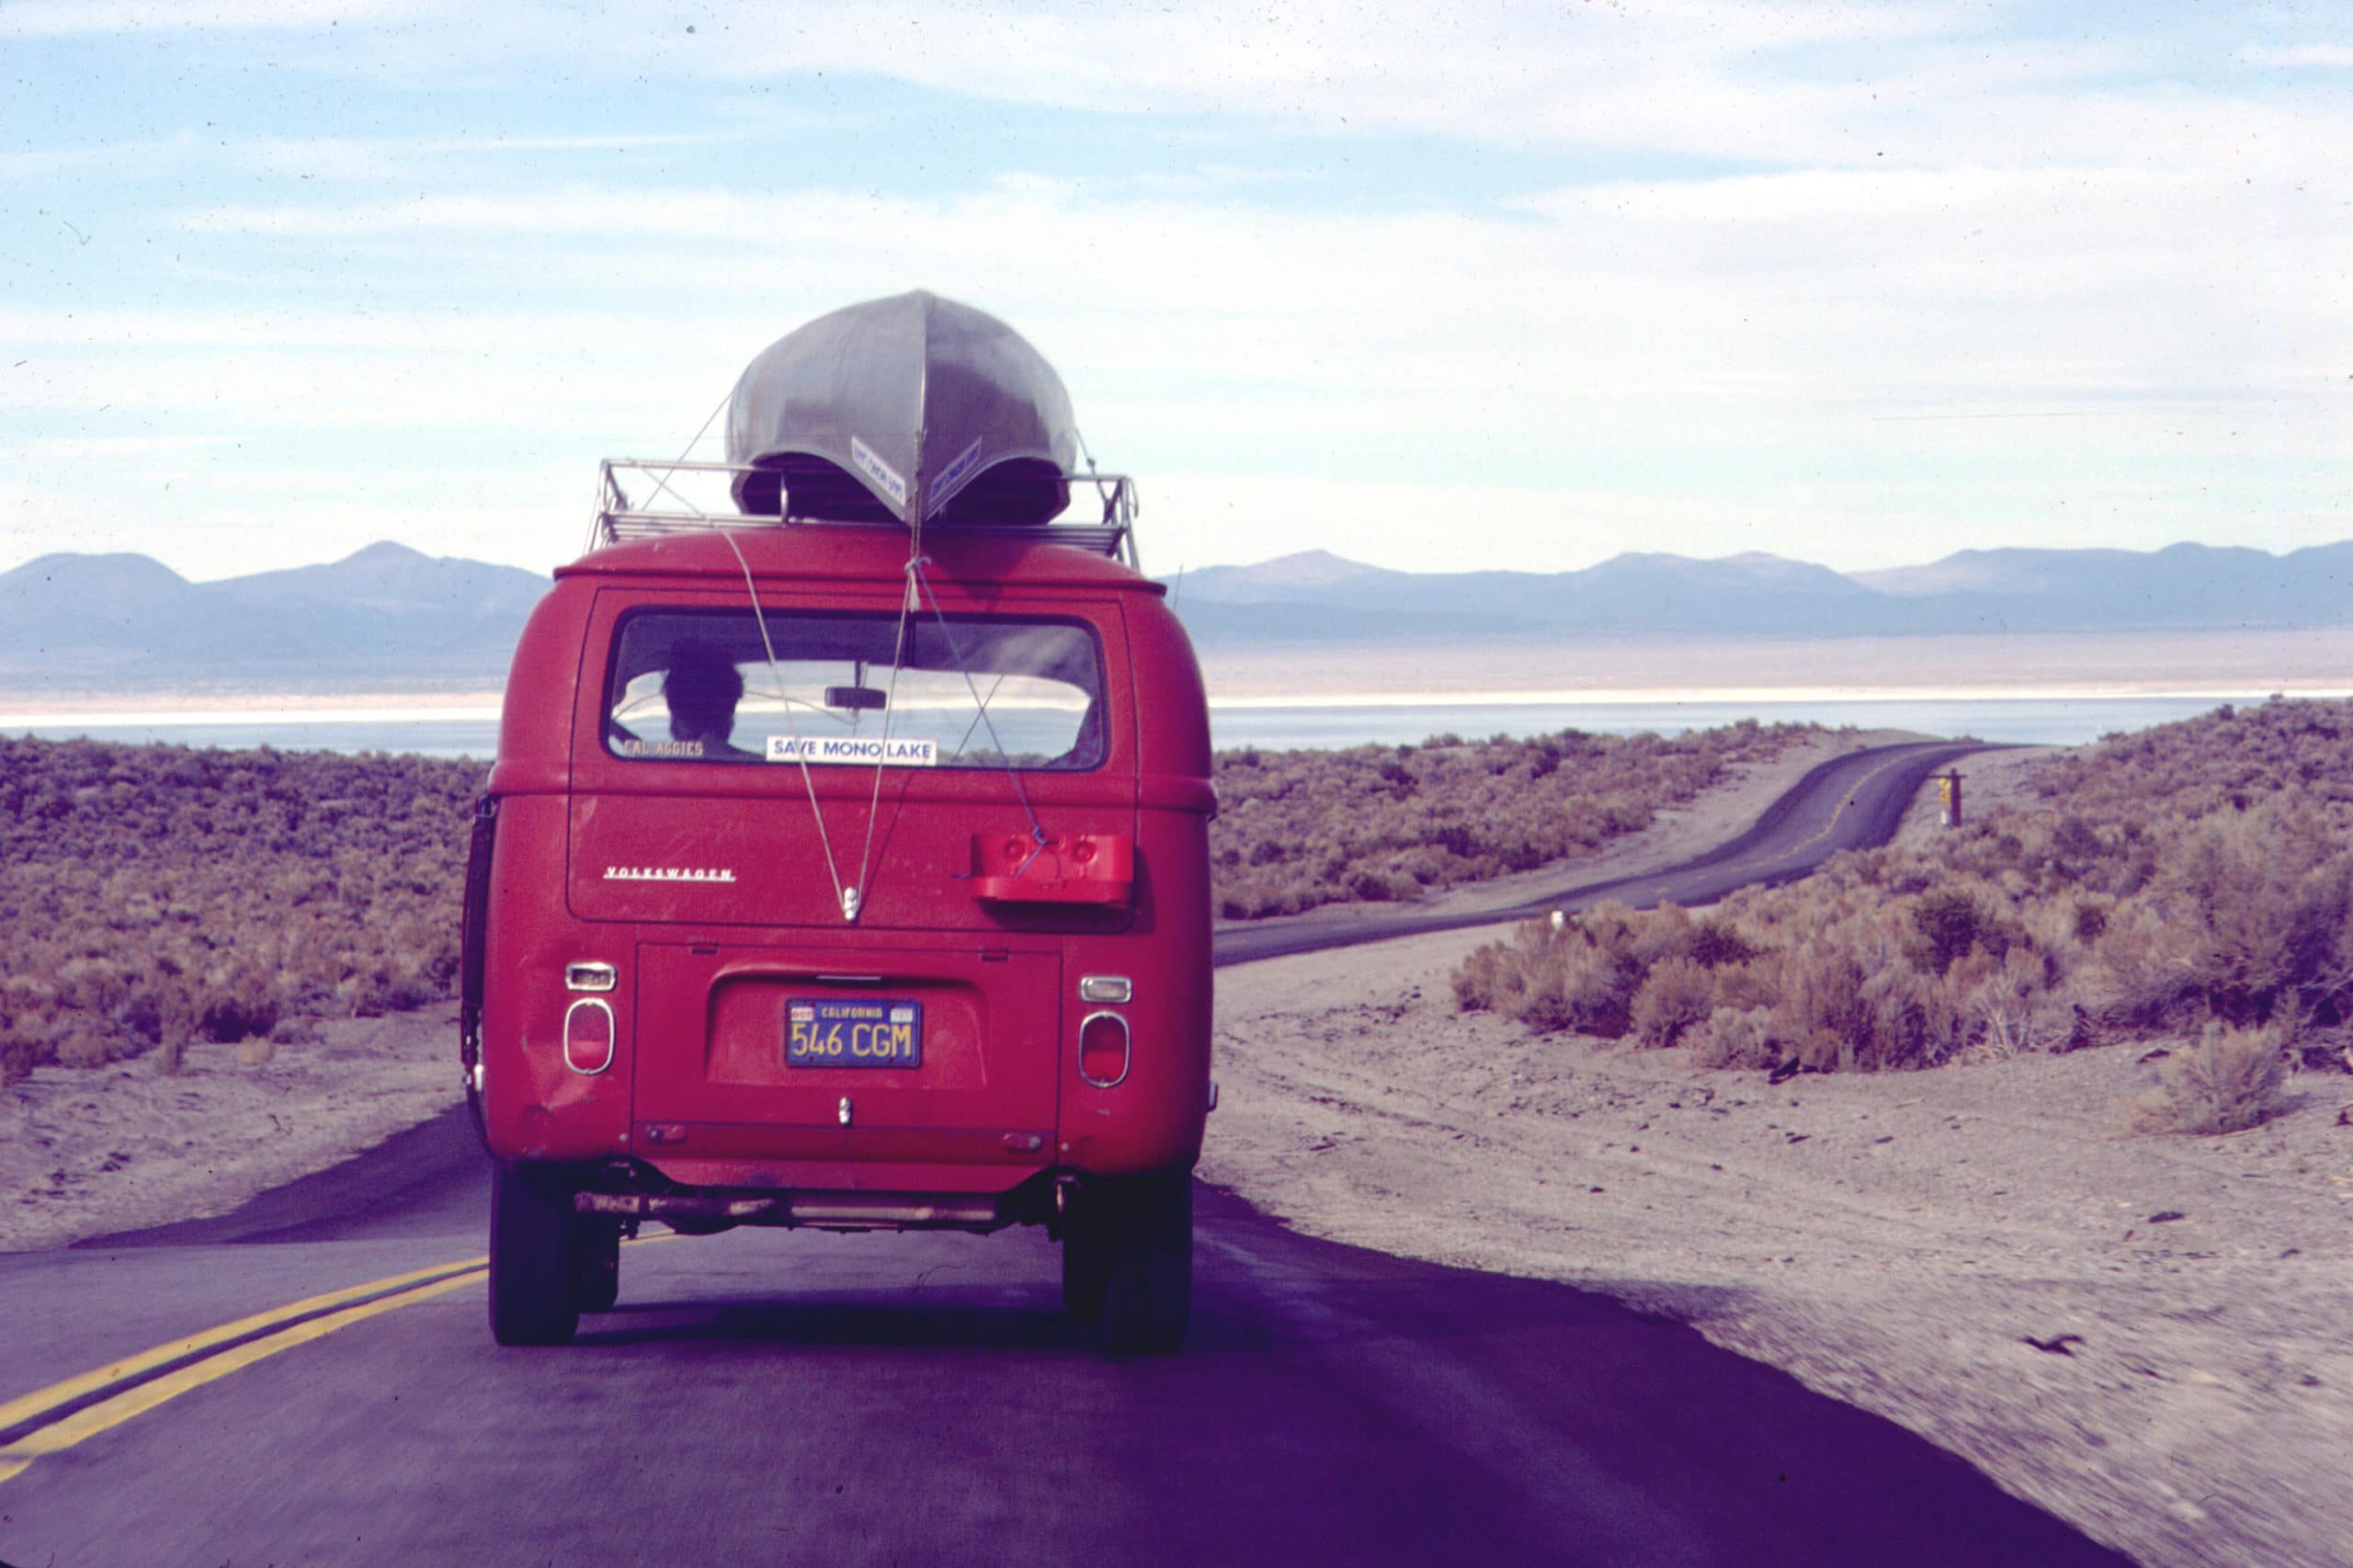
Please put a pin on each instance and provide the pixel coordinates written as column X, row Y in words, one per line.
column 703, row 687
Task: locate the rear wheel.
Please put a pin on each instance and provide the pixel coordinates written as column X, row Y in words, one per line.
column 1148, row 1284
column 1086, row 1268
column 595, row 1262
column 532, row 1266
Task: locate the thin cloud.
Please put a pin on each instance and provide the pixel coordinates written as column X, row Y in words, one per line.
column 55, row 17
column 2336, row 55
column 146, row 157
column 112, row 449
column 361, row 158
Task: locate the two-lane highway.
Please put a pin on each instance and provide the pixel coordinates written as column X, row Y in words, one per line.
column 321, row 1388
column 1848, row 802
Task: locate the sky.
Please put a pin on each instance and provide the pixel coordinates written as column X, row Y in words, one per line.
column 1439, row 287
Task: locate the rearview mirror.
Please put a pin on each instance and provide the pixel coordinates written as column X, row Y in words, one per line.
column 864, row 699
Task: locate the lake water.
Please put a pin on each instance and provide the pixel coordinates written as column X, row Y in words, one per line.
column 2061, row 721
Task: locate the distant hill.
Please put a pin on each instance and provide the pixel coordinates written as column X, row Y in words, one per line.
column 390, row 618
column 387, row 618
column 2182, row 586
column 1321, row 597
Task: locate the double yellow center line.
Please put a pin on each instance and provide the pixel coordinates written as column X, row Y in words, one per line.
column 1855, row 792
column 57, row 1417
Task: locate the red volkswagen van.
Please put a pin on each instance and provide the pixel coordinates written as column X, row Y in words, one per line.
column 844, row 863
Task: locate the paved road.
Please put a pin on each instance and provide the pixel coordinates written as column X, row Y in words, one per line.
column 1848, row 802
column 797, row 1398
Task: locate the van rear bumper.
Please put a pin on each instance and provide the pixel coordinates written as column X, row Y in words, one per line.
column 716, row 1208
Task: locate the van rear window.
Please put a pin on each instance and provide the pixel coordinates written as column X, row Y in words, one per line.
column 701, row 686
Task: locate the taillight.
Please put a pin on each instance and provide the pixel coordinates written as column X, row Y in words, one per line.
column 1103, row 1050
column 589, row 1037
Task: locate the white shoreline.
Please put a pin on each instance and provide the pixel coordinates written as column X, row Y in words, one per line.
column 292, row 711
column 1722, row 696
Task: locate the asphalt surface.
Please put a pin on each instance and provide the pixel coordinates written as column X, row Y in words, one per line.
column 1848, row 802
column 781, row 1397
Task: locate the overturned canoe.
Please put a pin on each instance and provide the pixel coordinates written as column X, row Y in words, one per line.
column 899, row 409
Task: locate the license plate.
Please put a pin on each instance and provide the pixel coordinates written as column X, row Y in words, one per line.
column 828, row 1032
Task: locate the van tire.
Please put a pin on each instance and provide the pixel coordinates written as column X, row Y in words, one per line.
column 532, row 1274
column 1148, row 1294
column 1087, row 1270
column 595, row 1262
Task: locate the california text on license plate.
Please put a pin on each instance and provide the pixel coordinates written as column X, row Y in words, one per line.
column 827, row 1032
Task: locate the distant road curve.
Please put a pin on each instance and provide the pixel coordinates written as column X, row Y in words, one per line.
column 1848, row 802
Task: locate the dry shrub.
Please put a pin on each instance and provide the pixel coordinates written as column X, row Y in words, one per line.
column 2247, row 917
column 241, row 1003
column 1822, row 1004
column 1583, row 987
column 258, row 1052
column 2010, row 1005
column 156, row 894
column 1913, row 1019
column 1737, row 1037
column 81, row 1046
column 1580, row 975
column 2231, row 1079
column 1676, row 994
column 1485, row 978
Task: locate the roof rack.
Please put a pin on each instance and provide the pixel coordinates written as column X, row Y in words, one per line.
column 681, row 497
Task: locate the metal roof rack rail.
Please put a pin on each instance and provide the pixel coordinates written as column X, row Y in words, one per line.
column 673, row 497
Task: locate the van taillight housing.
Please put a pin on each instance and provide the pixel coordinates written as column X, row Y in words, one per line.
column 1103, row 1050
column 588, row 1036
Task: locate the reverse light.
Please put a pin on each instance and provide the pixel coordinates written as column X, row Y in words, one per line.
column 588, row 1036
column 1104, row 988
column 1103, row 1050
column 589, row 977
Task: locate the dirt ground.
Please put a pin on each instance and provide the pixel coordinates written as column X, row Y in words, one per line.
column 2144, row 1335
column 89, row 1152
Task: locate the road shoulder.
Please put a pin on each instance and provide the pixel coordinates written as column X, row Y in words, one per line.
column 92, row 1152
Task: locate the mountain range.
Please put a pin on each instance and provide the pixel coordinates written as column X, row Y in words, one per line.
column 385, row 619
column 1318, row 597
column 391, row 619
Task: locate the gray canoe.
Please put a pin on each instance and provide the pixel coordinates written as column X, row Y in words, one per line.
column 913, row 405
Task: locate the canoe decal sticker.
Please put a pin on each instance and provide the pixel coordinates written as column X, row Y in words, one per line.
column 952, row 478
column 870, row 464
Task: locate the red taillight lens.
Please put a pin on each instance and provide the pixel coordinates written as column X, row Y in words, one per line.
column 589, row 1037
column 1103, row 1049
